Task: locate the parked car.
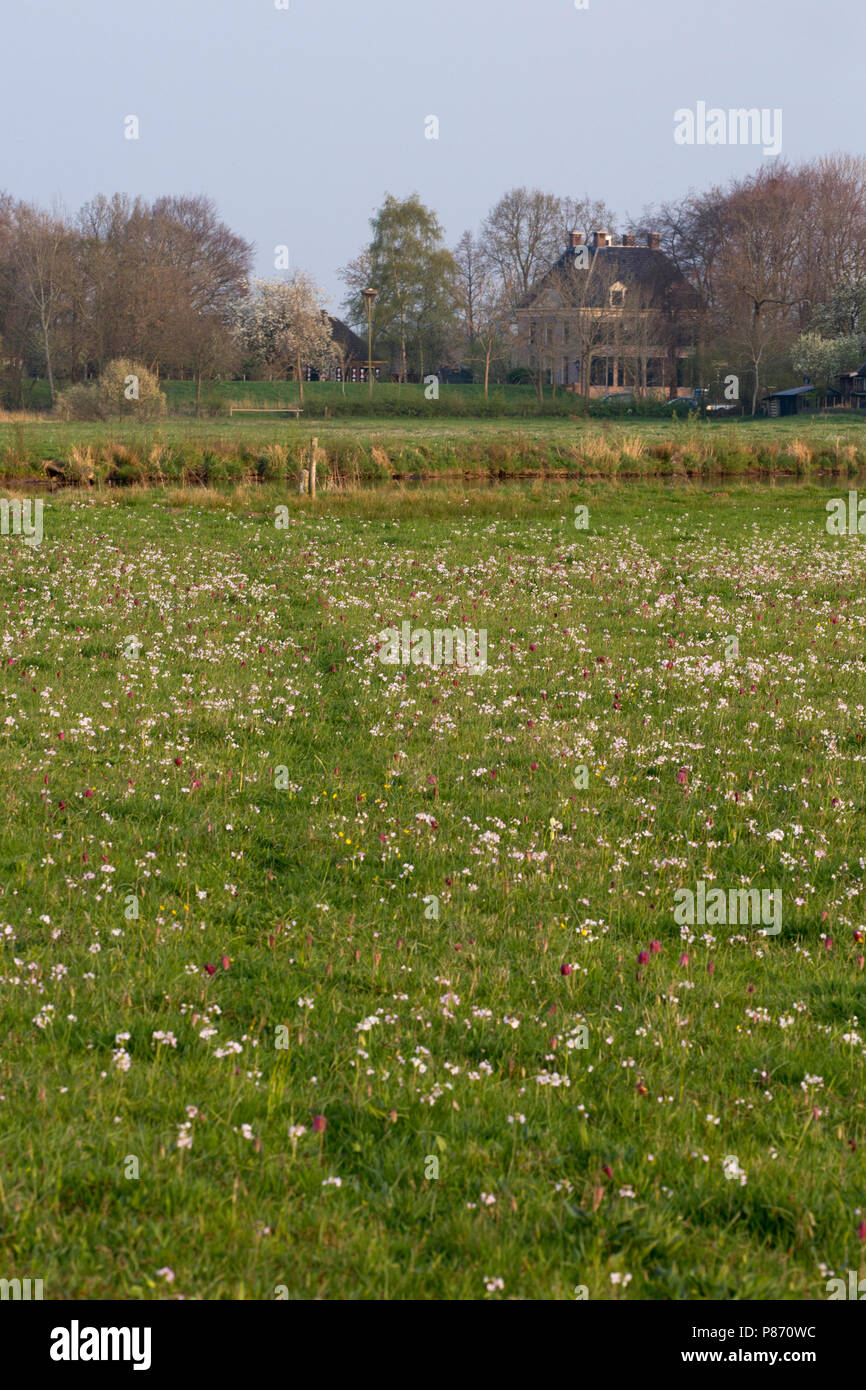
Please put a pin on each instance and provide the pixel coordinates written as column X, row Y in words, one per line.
column 618, row 398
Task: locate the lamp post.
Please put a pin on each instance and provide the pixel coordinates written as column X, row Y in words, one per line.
column 370, row 297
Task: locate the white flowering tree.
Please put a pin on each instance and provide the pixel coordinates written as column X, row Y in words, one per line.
column 824, row 359
column 284, row 324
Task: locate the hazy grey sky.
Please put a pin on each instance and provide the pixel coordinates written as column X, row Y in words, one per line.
column 298, row 121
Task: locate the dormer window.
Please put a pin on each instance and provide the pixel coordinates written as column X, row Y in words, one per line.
column 617, row 296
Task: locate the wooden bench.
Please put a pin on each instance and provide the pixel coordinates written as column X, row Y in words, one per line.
column 266, row 410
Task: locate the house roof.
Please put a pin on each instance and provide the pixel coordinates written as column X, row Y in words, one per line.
column 355, row 348
column 803, row 391
column 343, row 334
column 642, row 265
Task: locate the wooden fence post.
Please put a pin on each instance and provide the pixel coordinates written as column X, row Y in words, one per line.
column 313, row 451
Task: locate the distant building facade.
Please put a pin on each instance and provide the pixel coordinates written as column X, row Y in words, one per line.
column 610, row 316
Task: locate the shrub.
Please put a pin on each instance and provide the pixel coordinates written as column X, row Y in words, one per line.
column 213, row 404
column 129, row 390
column 79, row 402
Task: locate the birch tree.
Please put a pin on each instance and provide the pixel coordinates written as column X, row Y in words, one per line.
column 413, row 272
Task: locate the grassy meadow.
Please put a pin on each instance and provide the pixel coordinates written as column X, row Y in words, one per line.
column 327, row 978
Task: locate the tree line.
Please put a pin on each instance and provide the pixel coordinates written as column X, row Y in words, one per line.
column 778, row 259
column 156, row 282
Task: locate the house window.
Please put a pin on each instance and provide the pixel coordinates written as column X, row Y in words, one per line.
column 617, row 296
column 565, row 331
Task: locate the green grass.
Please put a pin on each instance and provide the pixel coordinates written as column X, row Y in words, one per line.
column 158, row 777
column 391, row 400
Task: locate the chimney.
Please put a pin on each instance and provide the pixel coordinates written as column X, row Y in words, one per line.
column 628, row 239
column 600, row 239
column 652, row 240
column 576, row 239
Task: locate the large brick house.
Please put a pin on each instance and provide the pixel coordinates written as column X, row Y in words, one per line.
column 610, row 316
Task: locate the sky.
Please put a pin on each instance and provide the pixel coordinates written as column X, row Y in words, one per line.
column 298, row 120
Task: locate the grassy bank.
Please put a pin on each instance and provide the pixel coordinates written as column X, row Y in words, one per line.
column 196, row 452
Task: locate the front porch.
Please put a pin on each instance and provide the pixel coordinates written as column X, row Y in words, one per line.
column 653, row 374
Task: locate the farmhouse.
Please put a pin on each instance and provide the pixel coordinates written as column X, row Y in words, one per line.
column 352, row 365
column 610, row 316
column 852, row 387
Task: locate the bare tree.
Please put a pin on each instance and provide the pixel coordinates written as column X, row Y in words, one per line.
column 483, row 301
column 766, row 252
column 16, row 309
column 469, row 261
column 585, row 215
column 758, row 283
column 40, row 254
column 522, row 235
